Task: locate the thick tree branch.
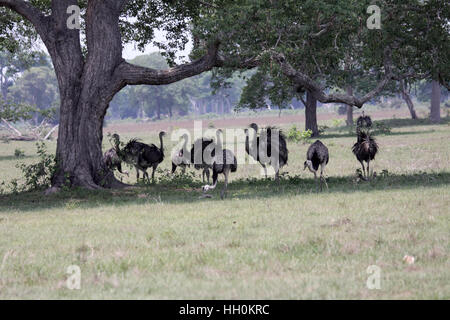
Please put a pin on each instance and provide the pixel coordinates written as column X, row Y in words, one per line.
column 303, row 81
column 29, row 12
column 130, row 74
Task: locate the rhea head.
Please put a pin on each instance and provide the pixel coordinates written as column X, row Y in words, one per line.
column 254, row 126
column 308, row 164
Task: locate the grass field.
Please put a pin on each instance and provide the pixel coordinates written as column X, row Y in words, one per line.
column 263, row 242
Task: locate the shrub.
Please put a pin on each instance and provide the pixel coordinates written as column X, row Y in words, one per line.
column 338, row 122
column 297, row 135
column 382, row 127
column 38, row 175
column 322, row 129
column 19, row 153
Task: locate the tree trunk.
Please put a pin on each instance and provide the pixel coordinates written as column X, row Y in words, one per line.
column 311, row 114
column 408, row 100
column 170, row 111
column 435, row 110
column 86, row 88
column 87, row 83
column 349, row 109
column 79, row 149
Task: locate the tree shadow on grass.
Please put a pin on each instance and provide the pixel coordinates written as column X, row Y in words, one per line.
column 250, row 188
column 343, row 132
column 399, row 123
column 376, row 134
column 14, row 158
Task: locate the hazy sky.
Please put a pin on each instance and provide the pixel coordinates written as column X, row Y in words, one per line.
column 129, row 51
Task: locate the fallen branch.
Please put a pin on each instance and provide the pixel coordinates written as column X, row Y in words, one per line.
column 21, row 138
column 50, row 132
column 11, row 127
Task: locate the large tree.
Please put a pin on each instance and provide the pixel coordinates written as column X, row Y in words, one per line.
column 90, row 68
column 308, row 42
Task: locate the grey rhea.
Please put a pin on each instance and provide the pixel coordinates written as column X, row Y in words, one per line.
column 143, row 156
column 265, row 147
column 224, row 162
column 366, row 147
column 182, row 158
column 111, row 158
column 317, row 157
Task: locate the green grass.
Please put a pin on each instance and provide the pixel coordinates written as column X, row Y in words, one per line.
column 263, row 241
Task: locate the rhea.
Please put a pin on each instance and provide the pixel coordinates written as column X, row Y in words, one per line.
column 224, row 162
column 365, row 149
column 182, row 157
column 317, row 157
column 143, row 156
column 111, row 159
column 202, row 153
column 268, row 147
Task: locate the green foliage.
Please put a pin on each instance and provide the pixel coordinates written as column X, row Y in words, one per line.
column 338, row 122
column 18, row 153
column 323, row 128
column 37, row 87
column 347, row 54
column 295, row 135
column 13, row 112
column 178, row 179
column 38, row 175
column 382, row 127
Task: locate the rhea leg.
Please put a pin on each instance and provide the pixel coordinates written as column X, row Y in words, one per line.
column 153, row 174
column 207, row 174
column 213, row 186
column 322, row 177
column 223, row 193
column 137, row 174
column 369, row 176
column 316, row 180
column 265, row 169
column 277, row 176
column 364, row 169
column 174, row 167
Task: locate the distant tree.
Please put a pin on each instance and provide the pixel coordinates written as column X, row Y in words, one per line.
column 14, row 63
column 36, row 87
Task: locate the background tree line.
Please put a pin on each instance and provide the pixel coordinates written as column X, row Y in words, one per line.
column 28, row 79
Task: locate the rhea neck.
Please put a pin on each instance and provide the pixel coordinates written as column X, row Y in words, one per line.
column 161, row 141
column 219, row 139
column 185, row 138
column 309, row 165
